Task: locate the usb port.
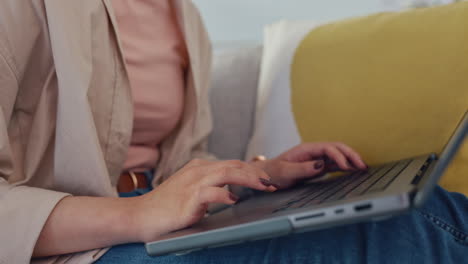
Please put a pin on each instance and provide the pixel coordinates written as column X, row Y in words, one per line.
column 362, row 207
column 339, row 211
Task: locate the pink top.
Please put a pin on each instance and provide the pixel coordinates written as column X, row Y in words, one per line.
column 156, row 59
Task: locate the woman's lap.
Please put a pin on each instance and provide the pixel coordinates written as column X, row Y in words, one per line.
column 436, row 233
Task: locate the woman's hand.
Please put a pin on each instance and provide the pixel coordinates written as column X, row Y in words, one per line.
column 183, row 199
column 310, row 160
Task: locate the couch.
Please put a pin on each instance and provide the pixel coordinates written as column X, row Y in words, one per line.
column 233, row 98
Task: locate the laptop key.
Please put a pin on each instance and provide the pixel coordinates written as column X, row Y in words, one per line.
column 375, row 177
column 389, row 177
column 305, row 197
column 312, row 188
column 331, row 191
column 279, row 210
column 348, row 188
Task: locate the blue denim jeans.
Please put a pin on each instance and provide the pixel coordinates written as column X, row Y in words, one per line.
column 436, row 233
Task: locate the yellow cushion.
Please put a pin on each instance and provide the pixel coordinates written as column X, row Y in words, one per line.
column 391, row 85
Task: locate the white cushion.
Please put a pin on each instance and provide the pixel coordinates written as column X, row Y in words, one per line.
column 233, row 98
column 275, row 128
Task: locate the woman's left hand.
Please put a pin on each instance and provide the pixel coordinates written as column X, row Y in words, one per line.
column 310, row 160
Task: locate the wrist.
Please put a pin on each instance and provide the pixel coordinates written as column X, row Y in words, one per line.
column 130, row 220
column 147, row 219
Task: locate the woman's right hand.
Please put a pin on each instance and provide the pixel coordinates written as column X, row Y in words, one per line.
column 183, row 199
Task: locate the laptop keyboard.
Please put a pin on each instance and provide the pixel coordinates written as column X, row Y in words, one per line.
column 355, row 184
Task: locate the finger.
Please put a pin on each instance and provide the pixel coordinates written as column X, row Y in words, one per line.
column 304, row 170
column 306, row 152
column 236, row 173
column 208, row 195
column 352, row 155
column 334, row 154
column 237, row 164
column 197, row 163
column 241, row 177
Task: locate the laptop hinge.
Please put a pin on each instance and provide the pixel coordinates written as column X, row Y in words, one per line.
column 422, row 171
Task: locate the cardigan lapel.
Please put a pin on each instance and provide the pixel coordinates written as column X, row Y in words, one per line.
column 86, row 112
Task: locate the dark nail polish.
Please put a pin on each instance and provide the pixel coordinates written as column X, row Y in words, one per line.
column 276, row 186
column 318, row 165
column 233, row 197
column 266, row 182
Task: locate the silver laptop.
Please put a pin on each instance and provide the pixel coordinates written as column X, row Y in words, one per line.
column 382, row 192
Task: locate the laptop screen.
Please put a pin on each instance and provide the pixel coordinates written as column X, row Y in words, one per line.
column 447, row 155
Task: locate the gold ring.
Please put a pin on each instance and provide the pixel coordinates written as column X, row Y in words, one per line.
column 259, row 158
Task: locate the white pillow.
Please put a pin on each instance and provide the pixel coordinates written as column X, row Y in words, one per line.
column 275, row 130
column 233, row 98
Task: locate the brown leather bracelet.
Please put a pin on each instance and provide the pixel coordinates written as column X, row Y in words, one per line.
column 130, row 181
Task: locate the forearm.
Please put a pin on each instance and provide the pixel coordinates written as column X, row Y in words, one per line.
column 83, row 223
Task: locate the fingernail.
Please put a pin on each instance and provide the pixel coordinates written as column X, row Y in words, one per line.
column 266, row 182
column 318, row 165
column 233, row 197
column 276, row 186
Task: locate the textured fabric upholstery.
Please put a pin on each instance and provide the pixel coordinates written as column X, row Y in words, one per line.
column 233, row 100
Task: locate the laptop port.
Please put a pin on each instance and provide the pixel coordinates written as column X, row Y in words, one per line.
column 362, row 207
column 339, row 211
column 310, row 216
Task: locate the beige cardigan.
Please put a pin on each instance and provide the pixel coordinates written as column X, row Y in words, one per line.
column 66, row 112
